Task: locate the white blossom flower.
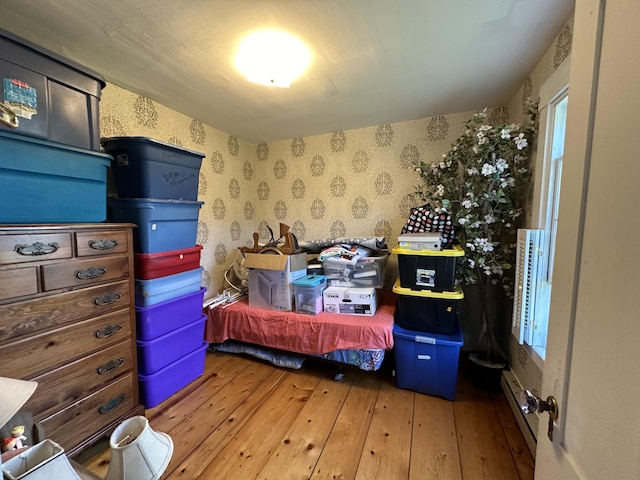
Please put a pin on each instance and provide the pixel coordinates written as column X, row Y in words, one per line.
column 488, row 169
column 476, row 183
column 484, row 244
column 521, row 142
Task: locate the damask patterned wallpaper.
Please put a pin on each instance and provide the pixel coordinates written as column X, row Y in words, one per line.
column 347, row 183
column 226, row 174
column 344, row 183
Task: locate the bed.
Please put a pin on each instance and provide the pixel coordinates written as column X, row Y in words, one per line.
column 355, row 340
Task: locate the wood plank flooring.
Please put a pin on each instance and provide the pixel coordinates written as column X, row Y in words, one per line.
column 245, row 419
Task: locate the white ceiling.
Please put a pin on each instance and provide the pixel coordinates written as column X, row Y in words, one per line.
column 374, row 61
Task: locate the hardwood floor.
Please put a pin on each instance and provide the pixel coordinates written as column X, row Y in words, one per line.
column 245, row 419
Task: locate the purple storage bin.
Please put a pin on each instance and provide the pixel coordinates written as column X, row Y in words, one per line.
column 159, row 386
column 156, row 354
column 165, row 317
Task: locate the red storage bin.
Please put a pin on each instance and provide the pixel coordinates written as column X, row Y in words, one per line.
column 154, row 265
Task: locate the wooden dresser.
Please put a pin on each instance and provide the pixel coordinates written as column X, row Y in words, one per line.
column 67, row 321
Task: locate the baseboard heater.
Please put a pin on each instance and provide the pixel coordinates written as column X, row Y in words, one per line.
column 528, row 423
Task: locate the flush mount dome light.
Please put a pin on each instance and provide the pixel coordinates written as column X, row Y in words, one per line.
column 272, row 58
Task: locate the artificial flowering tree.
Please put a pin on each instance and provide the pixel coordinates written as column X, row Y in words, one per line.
column 482, row 183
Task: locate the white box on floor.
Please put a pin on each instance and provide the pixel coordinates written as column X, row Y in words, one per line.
column 271, row 279
column 350, row 300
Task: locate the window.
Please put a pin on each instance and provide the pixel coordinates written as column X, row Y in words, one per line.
column 554, row 99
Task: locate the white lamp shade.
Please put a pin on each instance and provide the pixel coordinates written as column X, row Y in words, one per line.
column 44, row 461
column 138, row 452
column 13, row 395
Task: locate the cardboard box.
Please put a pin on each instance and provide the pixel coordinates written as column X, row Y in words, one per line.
column 271, row 279
column 350, row 300
column 421, row 241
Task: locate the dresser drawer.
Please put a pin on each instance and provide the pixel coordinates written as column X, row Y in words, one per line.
column 56, row 310
column 18, row 282
column 101, row 243
column 38, row 353
column 34, row 247
column 75, row 423
column 84, row 272
column 74, row 381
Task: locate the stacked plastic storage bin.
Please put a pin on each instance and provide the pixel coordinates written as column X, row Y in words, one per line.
column 157, row 186
column 427, row 332
column 51, row 169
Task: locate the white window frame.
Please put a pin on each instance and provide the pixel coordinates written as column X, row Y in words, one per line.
column 548, row 172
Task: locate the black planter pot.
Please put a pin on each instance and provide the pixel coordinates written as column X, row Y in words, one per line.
column 485, row 375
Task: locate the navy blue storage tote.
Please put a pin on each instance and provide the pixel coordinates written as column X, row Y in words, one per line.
column 163, row 225
column 427, row 362
column 147, row 168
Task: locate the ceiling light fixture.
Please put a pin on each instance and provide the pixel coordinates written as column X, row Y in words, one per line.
column 272, row 58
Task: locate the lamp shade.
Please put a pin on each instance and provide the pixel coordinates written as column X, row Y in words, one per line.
column 44, row 461
column 138, row 452
column 14, row 394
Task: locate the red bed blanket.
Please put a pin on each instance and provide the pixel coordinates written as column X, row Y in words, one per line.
column 301, row 333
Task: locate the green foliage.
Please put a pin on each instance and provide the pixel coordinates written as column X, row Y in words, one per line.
column 482, row 182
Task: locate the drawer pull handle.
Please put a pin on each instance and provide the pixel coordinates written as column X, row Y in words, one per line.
column 103, row 244
column 90, row 273
column 111, row 404
column 108, row 299
column 110, row 366
column 36, row 249
column 108, row 331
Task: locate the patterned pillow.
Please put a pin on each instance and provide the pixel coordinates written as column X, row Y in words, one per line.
column 423, row 219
